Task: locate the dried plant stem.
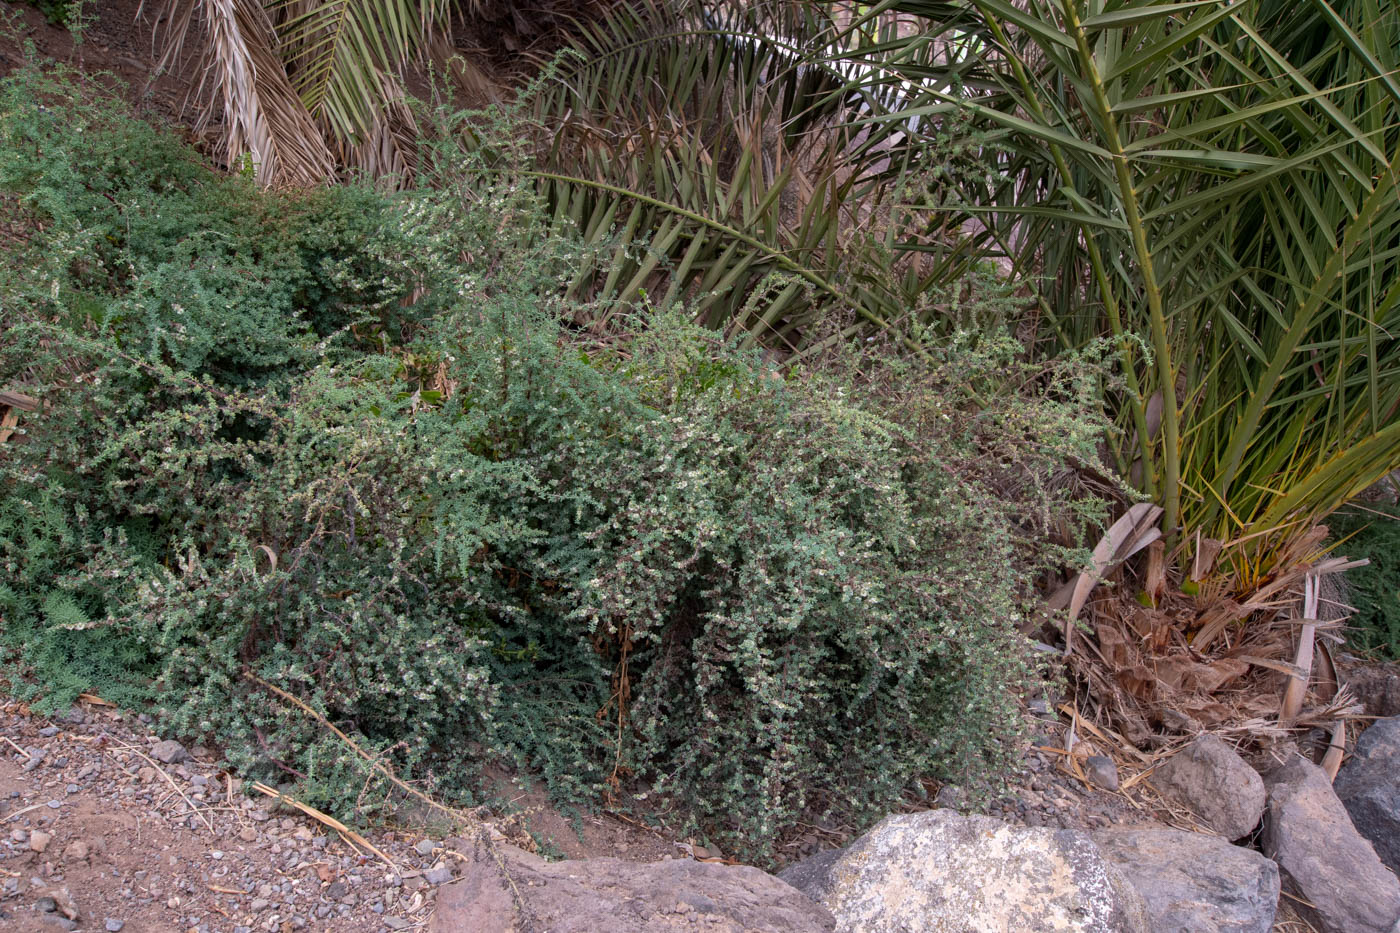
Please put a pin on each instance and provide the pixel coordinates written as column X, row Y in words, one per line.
column 1298, row 684
column 169, row 780
column 327, row 820
column 464, row 816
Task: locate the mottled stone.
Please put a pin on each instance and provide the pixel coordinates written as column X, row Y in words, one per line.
column 1102, row 772
column 939, row 870
column 1195, row 883
column 1369, row 787
column 523, row 892
column 170, row 752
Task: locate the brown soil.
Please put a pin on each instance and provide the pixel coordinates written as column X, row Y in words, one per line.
column 114, row 46
column 94, row 826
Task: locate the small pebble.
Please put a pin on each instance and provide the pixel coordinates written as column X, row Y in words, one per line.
column 49, row 732
column 114, row 926
column 72, row 788
column 425, row 848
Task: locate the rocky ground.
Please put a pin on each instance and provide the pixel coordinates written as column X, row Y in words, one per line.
column 105, row 825
column 107, row 828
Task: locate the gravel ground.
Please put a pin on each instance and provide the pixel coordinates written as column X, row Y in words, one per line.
column 105, row 827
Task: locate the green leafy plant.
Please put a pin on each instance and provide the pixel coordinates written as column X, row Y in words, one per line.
column 1372, row 532
column 65, row 13
column 355, row 446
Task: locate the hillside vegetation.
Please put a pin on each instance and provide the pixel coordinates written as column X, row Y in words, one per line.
column 344, row 443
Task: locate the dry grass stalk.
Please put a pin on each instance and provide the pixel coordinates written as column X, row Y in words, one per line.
column 349, row 834
column 464, row 817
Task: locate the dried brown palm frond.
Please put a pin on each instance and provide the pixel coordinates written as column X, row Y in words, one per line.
column 1153, row 677
column 263, row 118
column 305, row 88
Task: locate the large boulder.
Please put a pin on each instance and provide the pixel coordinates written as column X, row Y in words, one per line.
column 1195, row 883
column 1369, row 787
column 939, row 870
column 505, row 890
column 1209, row 778
column 1308, row 833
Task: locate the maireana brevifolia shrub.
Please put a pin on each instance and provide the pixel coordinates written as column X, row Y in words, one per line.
column 342, row 442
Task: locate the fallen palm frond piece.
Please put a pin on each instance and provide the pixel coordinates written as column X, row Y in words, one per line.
column 13, row 403
column 1135, row 530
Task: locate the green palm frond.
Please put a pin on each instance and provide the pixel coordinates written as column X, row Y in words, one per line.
column 335, row 52
column 1220, row 179
column 715, row 153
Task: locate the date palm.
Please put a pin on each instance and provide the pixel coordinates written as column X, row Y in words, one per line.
column 1212, row 184
column 305, row 89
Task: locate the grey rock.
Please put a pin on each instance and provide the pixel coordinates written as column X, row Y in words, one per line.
column 425, row 847
column 939, row 870
column 590, row 895
column 1369, row 787
column 60, row 921
column 812, row 875
column 113, row 925
column 1195, row 883
column 49, row 732
column 46, row 905
column 259, row 903
column 437, row 875
column 950, row 797
column 396, row 923
column 1324, row 859
column 336, row 890
column 1377, row 687
column 1102, row 771
column 1209, row 778
column 170, row 752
